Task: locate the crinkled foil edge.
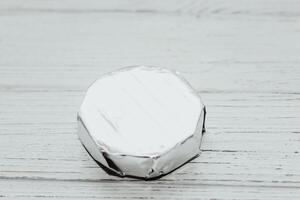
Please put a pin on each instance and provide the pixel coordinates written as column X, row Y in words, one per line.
column 144, row 167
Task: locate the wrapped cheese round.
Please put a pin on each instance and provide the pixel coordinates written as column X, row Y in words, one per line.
column 141, row 122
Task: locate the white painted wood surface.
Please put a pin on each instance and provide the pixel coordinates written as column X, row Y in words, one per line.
column 242, row 56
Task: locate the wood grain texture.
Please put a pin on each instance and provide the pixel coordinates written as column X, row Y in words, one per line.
column 242, row 57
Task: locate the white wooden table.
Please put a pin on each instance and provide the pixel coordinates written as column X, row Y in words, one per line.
column 242, row 56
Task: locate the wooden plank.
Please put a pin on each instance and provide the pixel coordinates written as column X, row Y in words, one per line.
column 220, row 8
column 242, row 58
column 26, row 189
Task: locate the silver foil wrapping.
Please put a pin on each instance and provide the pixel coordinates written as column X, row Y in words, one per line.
column 141, row 122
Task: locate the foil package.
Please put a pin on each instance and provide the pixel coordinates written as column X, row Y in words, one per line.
column 141, row 122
